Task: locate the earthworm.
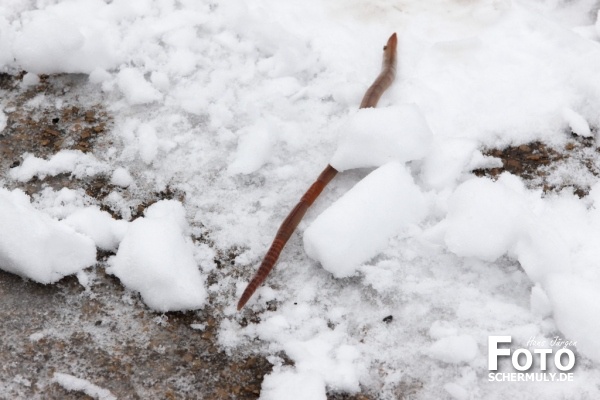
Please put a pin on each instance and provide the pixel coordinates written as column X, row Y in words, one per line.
column 370, row 99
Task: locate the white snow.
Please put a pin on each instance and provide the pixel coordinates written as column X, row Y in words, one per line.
column 375, row 136
column 30, row 79
column 359, row 225
column 36, row 246
column 288, row 384
column 121, row 177
column 454, row 349
column 79, row 164
column 577, row 123
column 255, row 147
column 135, row 88
column 3, row 120
column 76, row 384
column 105, row 231
column 239, row 105
column 156, row 258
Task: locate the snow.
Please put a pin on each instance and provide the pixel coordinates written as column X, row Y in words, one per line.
column 98, row 225
column 292, row 385
column 485, row 219
column 255, row 147
column 577, row 123
column 79, row 164
column 73, row 383
column 359, row 225
column 135, row 88
column 239, row 105
column 375, row 136
column 156, row 258
column 36, row 246
column 3, row 120
column 454, row 349
column 121, row 177
column 30, row 79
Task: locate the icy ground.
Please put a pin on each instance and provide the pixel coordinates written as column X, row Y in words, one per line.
column 219, row 115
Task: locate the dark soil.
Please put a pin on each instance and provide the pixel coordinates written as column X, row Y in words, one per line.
column 535, row 162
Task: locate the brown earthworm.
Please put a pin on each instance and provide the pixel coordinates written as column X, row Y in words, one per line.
column 370, row 99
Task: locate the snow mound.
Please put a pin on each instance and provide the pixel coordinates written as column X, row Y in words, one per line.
column 554, row 239
column 36, row 246
column 75, row 161
column 359, row 225
column 156, row 258
column 73, row 383
column 375, row 136
column 67, row 37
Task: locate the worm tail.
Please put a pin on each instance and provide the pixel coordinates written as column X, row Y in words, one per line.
column 370, row 99
column 285, row 232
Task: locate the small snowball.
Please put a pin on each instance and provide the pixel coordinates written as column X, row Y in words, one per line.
column 578, row 124
column 30, row 79
column 375, row 136
column 359, row 225
column 156, row 258
column 121, row 177
column 135, row 88
column 454, row 349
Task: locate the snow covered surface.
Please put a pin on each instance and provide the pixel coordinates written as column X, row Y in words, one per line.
column 238, row 105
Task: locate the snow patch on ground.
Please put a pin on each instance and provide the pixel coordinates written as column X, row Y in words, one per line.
column 77, row 163
column 76, row 384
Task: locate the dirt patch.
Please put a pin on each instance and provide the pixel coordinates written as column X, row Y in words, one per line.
column 552, row 169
